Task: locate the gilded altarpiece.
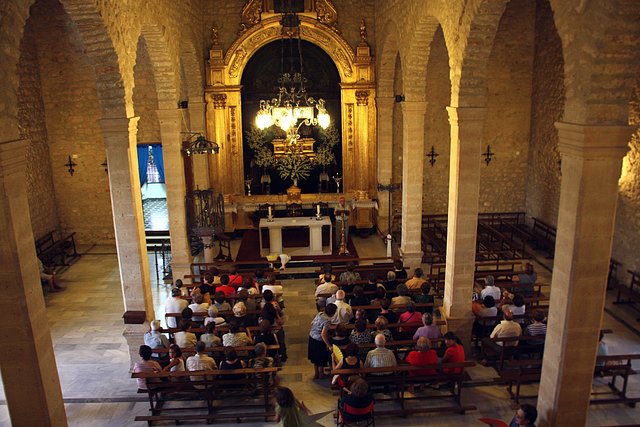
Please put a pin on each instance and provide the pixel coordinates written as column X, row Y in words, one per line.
column 260, row 25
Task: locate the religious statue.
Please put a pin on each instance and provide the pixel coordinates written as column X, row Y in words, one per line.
column 363, row 32
column 214, row 36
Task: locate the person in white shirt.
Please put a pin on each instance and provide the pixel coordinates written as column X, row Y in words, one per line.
column 325, row 288
column 505, row 329
column 198, row 306
column 174, row 304
column 277, row 290
column 200, row 362
column 490, row 289
column 183, row 338
column 344, row 313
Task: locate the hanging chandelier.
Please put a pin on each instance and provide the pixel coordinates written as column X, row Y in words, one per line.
column 196, row 143
column 292, row 107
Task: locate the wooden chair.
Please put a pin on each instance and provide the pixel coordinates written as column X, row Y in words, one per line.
column 294, row 210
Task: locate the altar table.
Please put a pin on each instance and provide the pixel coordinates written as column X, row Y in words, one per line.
column 314, row 225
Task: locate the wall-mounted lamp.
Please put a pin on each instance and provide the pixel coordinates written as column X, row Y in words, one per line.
column 399, row 98
column 71, row 166
column 488, row 155
column 432, row 156
column 183, row 105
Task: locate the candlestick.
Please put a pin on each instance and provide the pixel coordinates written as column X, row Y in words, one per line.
column 269, row 210
column 318, row 210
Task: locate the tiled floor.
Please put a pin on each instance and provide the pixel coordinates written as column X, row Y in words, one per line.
column 156, row 216
column 93, row 364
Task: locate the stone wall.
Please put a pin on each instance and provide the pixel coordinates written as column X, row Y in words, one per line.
column 437, row 133
column 626, row 240
column 145, row 99
column 507, row 123
column 40, row 193
column 72, row 110
column 547, row 104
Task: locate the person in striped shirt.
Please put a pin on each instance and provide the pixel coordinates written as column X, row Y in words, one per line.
column 380, row 357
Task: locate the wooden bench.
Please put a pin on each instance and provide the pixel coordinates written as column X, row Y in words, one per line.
column 615, row 366
column 256, row 387
column 545, row 236
column 56, row 251
column 397, row 381
column 631, row 292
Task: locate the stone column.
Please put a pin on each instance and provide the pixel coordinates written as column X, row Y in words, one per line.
column 29, row 372
column 385, row 160
column 200, row 163
column 591, row 161
column 176, row 191
column 464, row 193
column 120, row 142
column 412, row 169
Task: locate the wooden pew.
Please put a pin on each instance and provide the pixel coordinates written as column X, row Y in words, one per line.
column 249, row 397
column 398, row 381
column 56, row 251
column 630, row 292
column 545, row 236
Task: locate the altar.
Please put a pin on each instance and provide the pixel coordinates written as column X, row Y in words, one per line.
column 277, row 244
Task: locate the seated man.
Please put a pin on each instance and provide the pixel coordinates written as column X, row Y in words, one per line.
column 505, row 329
column 49, row 275
column 344, row 313
column 326, row 288
column 154, row 339
column 490, row 289
column 350, row 275
column 416, row 282
column 200, row 362
column 380, row 357
column 529, row 278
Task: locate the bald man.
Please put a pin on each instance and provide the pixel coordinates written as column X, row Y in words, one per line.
column 380, row 357
column 344, row 313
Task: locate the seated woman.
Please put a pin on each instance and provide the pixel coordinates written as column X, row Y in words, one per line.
column 209, row 337
column 241, row 317
column 358, row 398
column 220, row 302
column 198, row 306
column 213, row 317
column 184, row 338
column 486, row 308
column 391, row 284
column 340, row 336
column 349, row 361
column 382, row 325
column 260, row 359
column 423, row 355
column 231, row 361
column 176, row 362
column 412, row 317
column 429, row 330
column 514, row 304
column 235, row 338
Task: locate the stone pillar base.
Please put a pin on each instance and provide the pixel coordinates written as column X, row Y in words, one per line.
column 134, row 334
column 461, row 326
column 412, row 260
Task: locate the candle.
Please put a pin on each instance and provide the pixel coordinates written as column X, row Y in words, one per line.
column 318, row 210
column 269, row 210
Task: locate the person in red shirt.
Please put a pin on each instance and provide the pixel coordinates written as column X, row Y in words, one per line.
column 235, row 279
column 224, row 286
column 454, row 352
column 423, row 355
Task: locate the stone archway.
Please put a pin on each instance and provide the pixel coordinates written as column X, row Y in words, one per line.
column 357, row 88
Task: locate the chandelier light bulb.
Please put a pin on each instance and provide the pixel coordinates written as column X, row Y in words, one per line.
column 323, row 119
